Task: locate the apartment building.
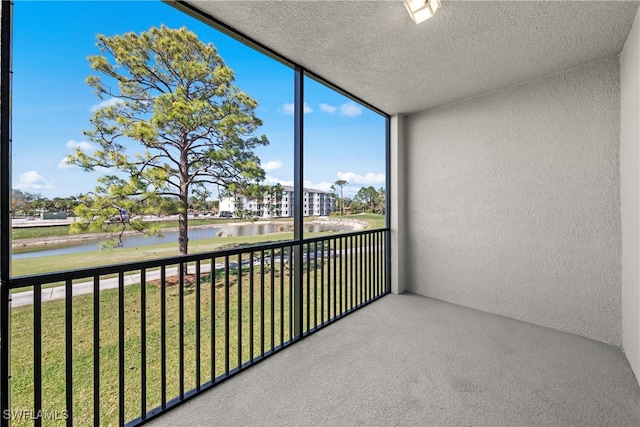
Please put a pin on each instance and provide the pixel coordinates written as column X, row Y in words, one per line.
column 316, row 203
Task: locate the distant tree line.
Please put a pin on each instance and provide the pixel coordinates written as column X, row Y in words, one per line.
column 367, row 199
column 24, row 203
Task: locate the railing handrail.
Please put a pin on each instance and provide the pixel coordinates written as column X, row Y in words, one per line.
column 80, row 273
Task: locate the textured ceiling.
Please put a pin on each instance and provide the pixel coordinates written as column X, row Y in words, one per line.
column 373, row 50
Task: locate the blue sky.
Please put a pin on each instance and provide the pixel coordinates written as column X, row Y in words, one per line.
column 52, row 103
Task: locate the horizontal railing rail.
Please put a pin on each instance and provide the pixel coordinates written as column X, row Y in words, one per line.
column 124, row 343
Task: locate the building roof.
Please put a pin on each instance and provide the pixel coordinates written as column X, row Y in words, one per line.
column 308, row 190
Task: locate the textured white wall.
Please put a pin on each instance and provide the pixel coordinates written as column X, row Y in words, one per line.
column 513, row 202
column 630, row 194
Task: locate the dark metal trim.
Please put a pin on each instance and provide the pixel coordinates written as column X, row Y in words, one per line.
column 121, row 349
column 388, row 196
column 96, row 351
column 6, row 30
column 298, row 221
column 143, row 343
column 37, row 352
column 68, row 354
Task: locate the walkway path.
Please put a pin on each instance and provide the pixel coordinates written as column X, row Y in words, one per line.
column 19, row 299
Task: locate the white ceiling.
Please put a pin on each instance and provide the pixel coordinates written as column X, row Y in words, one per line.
column 373, row 50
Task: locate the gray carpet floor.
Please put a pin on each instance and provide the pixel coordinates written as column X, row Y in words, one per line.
column 411, row 360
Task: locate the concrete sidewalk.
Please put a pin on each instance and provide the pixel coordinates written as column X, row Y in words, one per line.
column 19, row 299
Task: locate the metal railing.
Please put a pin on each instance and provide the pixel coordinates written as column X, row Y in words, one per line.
column 171, row 328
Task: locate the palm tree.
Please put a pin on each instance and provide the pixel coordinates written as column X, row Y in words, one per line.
column 341, row 183
column 277, row 191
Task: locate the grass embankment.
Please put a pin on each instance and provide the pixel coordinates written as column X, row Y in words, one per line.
column 276, row 286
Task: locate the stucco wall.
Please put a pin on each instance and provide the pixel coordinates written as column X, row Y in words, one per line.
column 513, row 202
column 630, row 194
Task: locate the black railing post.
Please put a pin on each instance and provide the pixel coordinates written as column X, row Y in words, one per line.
column 298, row 179
column 5, row 208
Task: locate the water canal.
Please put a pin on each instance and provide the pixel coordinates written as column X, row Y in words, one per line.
column 139, row 240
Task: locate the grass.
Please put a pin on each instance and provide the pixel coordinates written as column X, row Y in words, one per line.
column 275, row 293
column 374, row 220
column 34, row 232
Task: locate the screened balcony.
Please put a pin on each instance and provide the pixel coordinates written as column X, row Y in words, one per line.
column 504, row 289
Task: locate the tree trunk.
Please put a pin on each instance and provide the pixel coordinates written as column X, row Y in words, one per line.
column 183, row 228
column 183, row 218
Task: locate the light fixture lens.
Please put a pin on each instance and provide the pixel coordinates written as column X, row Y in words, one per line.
column 413, row 5
column 421, row 10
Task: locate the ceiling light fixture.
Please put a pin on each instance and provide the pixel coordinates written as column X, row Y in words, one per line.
column 421, row 10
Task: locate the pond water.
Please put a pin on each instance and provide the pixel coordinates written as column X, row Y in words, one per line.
column 138, row 240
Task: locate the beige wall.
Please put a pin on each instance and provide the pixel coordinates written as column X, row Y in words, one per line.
column 513, row 202
column 630, row 194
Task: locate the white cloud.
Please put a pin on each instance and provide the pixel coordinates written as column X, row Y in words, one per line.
column 32, row 180
column 322, row 186
column 75, row 145
column 106, row 103
column 272, row 165
column 350, row 109
column 82, row 145
column 289, row 108
column 328, row 108
column 368, row 179
column 272, row 180
column 64, row 163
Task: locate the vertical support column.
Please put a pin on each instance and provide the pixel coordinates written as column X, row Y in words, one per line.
column 630, row 194
column 396, row 205
column 6, row 21
column 389, row 214
column 298, row 216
